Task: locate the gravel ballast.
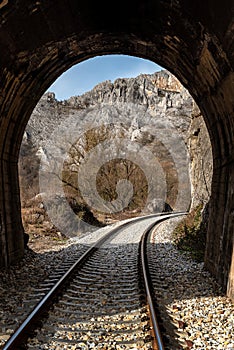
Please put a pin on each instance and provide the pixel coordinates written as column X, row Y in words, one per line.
column 197, row 313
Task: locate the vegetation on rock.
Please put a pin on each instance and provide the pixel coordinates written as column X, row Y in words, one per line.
column 190, row 234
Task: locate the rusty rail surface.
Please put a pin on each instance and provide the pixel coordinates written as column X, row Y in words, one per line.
column 20, row 336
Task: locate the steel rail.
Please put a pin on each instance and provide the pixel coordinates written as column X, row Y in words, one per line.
column 158, row 342
column 27, row 327
column 29, row 324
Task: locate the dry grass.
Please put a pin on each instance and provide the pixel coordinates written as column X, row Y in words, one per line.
column 190, row 235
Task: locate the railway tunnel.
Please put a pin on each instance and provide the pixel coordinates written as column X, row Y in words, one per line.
column 39, row 40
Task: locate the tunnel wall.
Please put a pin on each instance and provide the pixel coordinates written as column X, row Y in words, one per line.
column 39, row 40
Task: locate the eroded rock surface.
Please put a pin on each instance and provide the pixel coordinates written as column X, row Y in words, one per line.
column 152, row 111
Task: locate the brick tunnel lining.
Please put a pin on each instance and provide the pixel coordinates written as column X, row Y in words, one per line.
column 40, row 41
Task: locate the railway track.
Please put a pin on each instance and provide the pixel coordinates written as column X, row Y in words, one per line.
column 102, row 301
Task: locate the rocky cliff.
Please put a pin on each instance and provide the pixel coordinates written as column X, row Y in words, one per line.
column 149, row 123
column 201, row 159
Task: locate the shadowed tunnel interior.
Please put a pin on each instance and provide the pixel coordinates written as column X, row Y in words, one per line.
column 39, row 40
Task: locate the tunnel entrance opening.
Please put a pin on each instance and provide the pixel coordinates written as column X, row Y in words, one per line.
column 140, row 111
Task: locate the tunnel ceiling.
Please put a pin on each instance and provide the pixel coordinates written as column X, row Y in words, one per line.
column 171, row 32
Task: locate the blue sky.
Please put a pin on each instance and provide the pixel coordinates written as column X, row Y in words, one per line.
column 85, row 75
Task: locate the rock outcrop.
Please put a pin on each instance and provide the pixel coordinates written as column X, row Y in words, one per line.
column 201, row 166
column 153, row 112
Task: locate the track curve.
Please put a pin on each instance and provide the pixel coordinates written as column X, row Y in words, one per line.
column 99, row 302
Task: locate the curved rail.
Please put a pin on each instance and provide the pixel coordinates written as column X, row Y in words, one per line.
column 30, row 323
column 158, row 342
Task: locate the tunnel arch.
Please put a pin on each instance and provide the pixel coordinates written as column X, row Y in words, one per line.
column 40, row 40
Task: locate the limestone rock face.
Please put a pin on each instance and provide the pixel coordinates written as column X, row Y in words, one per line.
column 161, row 94
column 150, row 113
column 201, row 166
